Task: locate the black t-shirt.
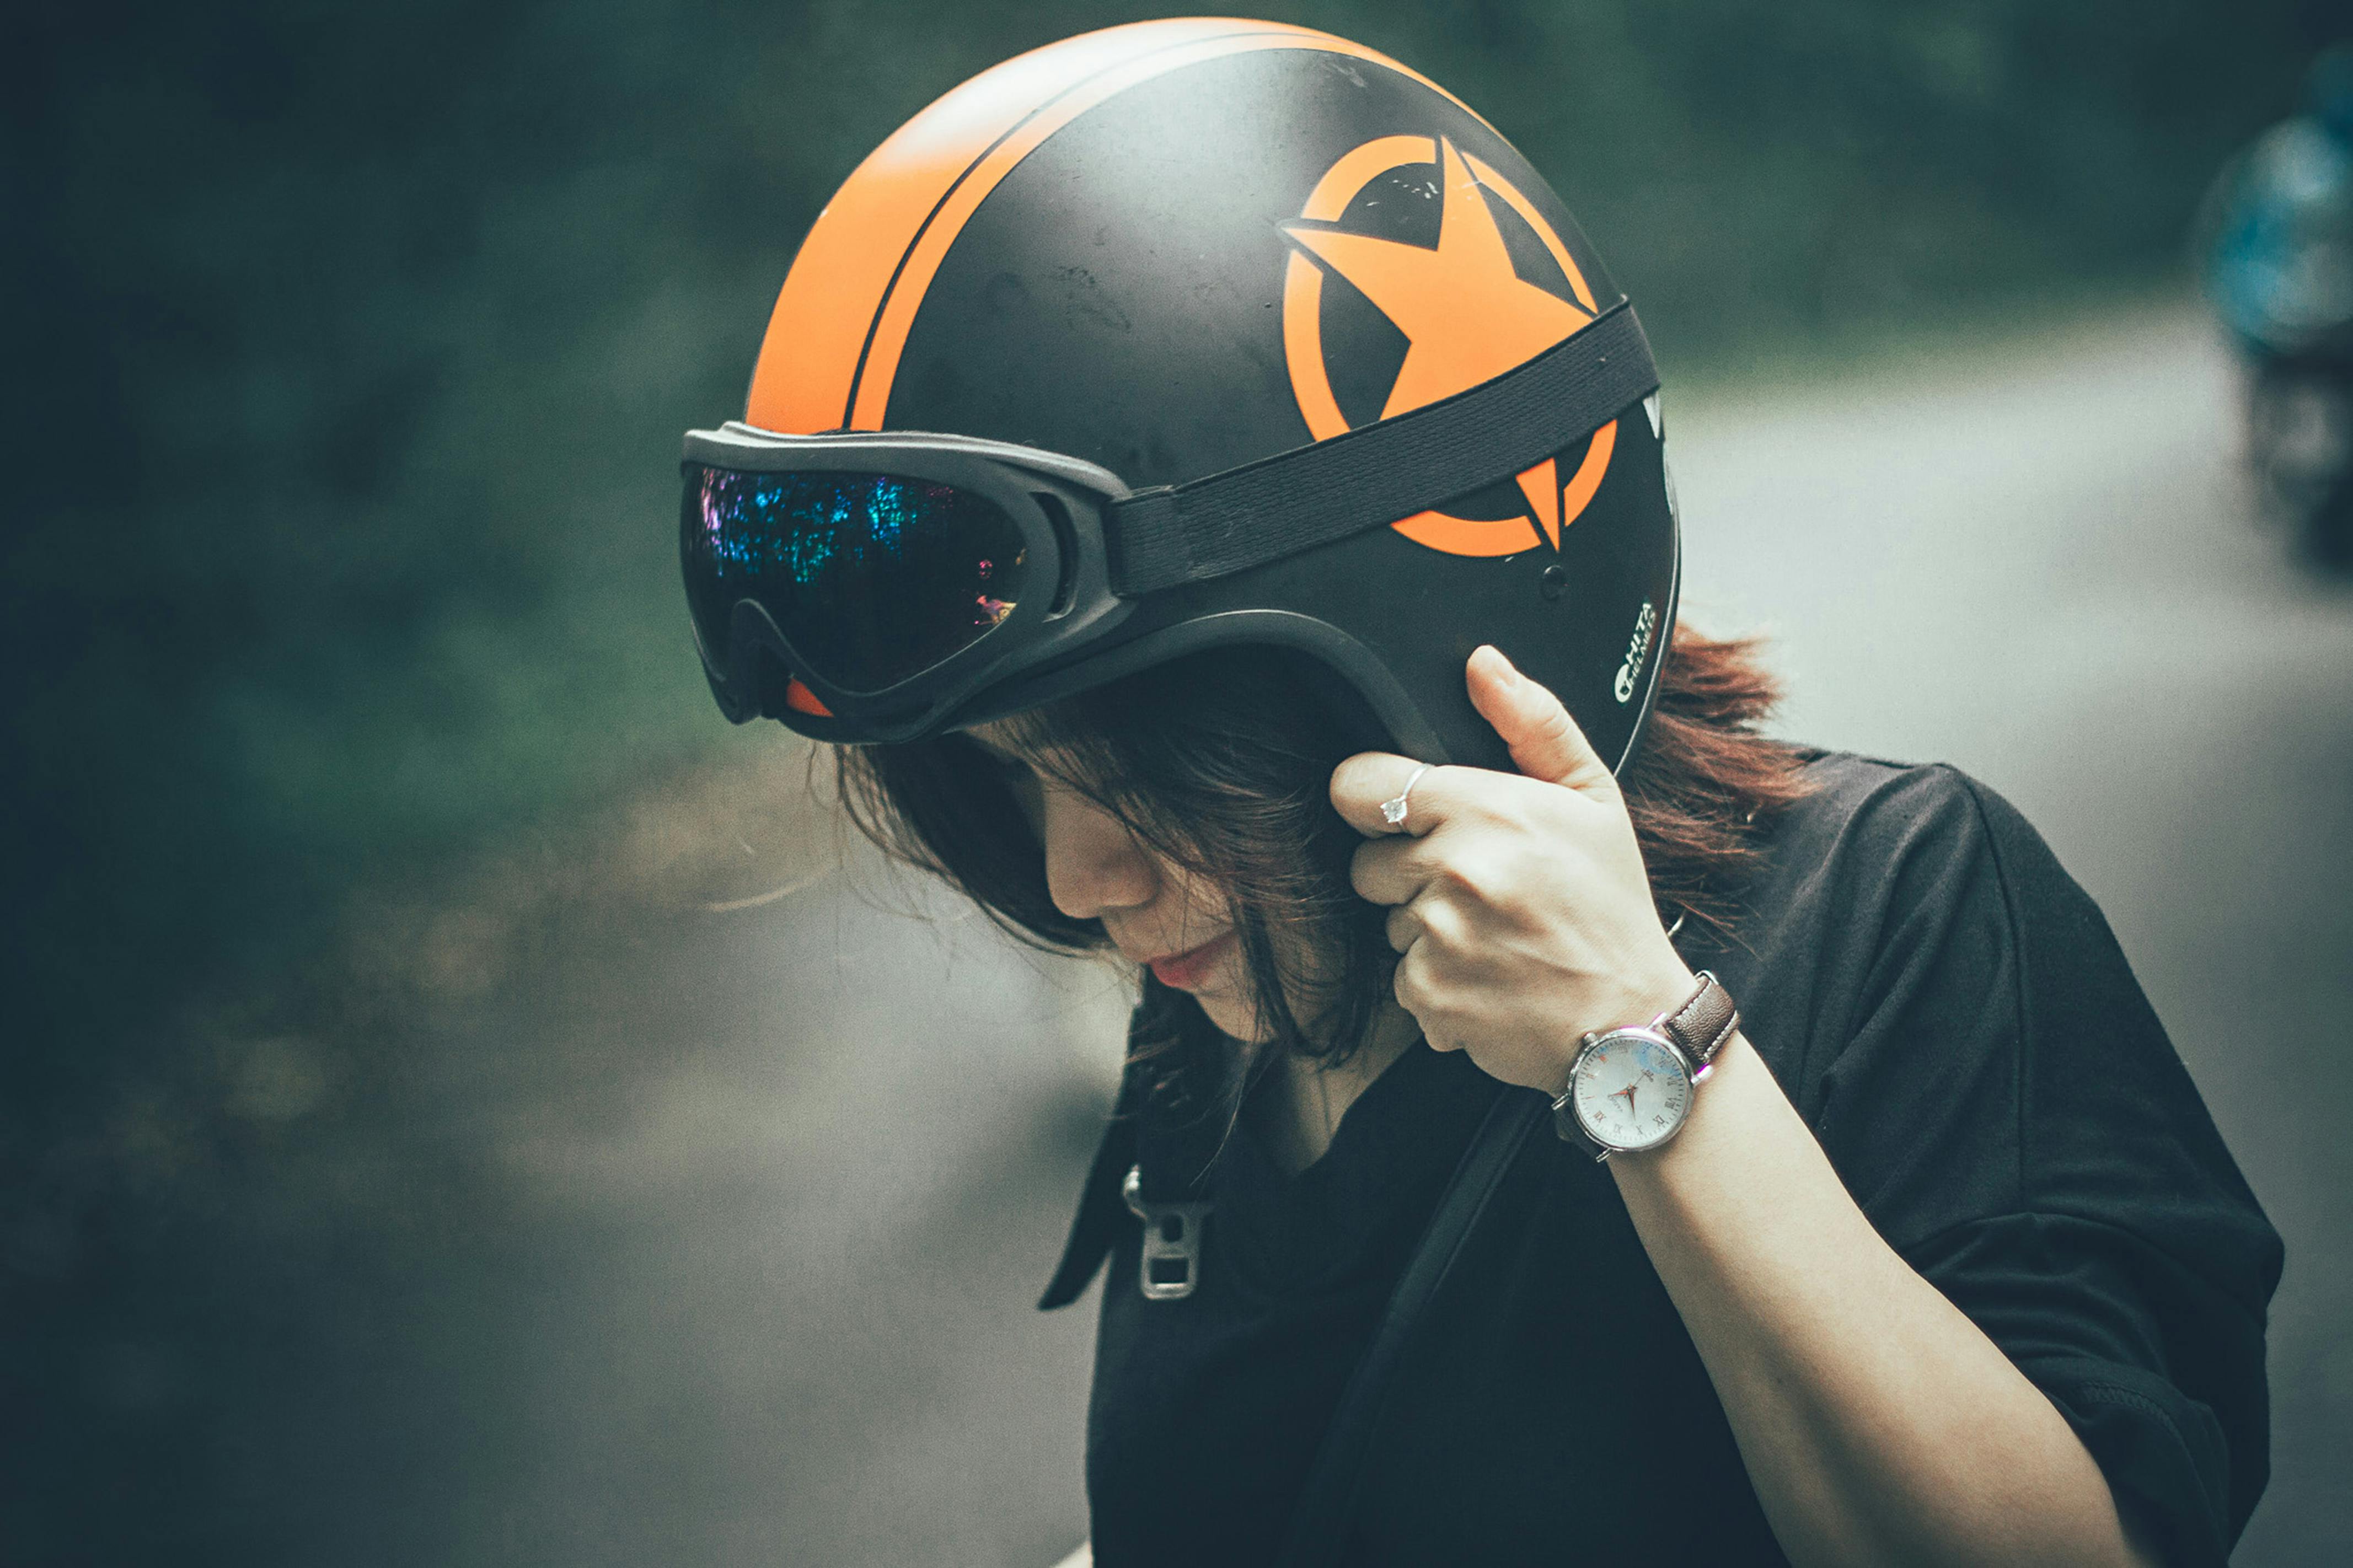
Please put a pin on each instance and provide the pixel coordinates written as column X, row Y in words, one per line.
column 1947, row 1011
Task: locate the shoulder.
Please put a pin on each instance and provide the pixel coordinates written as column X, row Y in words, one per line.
column 1886, row 843
column 1952, row 1014
column 1916, row 879
column 1907, row 943
column 1854, row 801
column 1877, row 954
column 1878, row 860
column 1931, row 874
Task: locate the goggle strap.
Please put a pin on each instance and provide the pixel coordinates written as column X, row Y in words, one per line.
column 1370, row 477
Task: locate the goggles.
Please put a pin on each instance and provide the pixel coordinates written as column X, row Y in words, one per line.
column 861, row 588
column 869, row 586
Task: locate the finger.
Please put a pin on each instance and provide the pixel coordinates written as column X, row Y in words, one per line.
column 1362, row 783
column 1545, row 740
column 1411, row 987
column 1405, row 984
column 1397, row 869
column 1387, row 870
column 1428, row 920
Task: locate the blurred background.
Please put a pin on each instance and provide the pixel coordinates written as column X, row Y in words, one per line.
column 464, row 1104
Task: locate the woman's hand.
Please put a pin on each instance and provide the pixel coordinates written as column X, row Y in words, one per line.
column 1520, row 904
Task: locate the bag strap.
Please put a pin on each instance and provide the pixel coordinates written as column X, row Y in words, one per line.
column 1319, row 1524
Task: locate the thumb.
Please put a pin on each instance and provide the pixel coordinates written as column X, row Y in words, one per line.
column 1545, row 740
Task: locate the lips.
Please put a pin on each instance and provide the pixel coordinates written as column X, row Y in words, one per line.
column 1185, row 971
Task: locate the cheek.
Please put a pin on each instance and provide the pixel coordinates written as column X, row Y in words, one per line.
column 1231, row 1009
column 1231, row 997
column 1232, row 976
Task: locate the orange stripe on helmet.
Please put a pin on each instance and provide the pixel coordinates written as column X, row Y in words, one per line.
column 931, row 247
column 826, row 309
column 841, row 320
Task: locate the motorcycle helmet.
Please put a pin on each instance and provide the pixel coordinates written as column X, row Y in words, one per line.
column 1185, row 335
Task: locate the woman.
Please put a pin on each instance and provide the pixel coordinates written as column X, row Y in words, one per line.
column 1153, row 440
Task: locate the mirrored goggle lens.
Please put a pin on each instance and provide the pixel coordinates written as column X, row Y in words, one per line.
column 873, row 578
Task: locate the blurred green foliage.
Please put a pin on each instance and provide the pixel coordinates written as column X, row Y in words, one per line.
column 350, row 345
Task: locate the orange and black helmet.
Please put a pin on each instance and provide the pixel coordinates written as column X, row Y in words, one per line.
column 1184, row 335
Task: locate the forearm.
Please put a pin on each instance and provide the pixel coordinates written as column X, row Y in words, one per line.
column 1877, row 1422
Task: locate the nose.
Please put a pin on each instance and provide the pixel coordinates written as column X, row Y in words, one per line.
column 1094, row 864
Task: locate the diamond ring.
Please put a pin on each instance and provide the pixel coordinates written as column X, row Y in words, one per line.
column 1393, row 811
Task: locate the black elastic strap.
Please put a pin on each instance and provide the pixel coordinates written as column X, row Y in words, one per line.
column 1374, row 474
column 1319, row 1526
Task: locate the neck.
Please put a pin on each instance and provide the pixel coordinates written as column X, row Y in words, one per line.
column 1308, row 1098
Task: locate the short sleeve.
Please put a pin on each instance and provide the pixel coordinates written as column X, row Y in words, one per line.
column 2110, row 1329
column 2001, row 1100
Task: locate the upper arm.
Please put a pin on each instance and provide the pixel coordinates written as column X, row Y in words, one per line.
column 2001, row 1100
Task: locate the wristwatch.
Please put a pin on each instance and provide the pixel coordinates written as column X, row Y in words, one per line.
column 1631, row 1088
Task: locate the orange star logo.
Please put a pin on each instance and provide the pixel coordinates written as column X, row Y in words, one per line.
column 1466, row 315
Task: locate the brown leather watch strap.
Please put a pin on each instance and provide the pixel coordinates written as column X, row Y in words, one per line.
column 1701, row 1025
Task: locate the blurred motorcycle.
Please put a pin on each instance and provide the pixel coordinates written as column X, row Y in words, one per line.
column 2278, row 259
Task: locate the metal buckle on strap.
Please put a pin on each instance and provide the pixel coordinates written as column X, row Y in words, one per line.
column 1172, row 1241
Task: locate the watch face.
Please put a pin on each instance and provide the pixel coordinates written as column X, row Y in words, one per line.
column 1631, row 1091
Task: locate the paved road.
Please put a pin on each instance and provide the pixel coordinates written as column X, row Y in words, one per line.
column 697, row 1236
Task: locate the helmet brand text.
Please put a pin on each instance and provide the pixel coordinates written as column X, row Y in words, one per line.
column 1638, row 652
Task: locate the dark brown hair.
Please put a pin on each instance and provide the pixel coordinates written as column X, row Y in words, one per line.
column 1222, row 763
